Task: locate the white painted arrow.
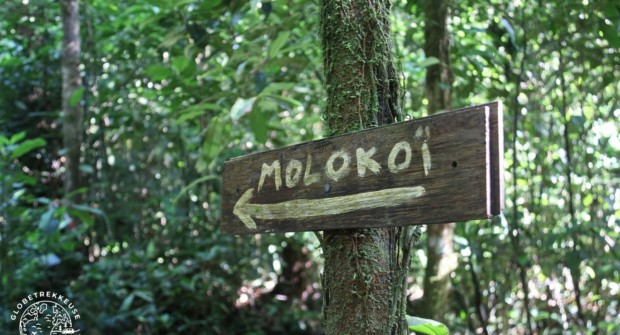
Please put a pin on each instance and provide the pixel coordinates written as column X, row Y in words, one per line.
column 304, row 208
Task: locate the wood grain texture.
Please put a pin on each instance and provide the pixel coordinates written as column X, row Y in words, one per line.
column 496, row 147
column 438, row 169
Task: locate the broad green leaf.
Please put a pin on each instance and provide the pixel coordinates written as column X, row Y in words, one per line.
column 195, row 111
column 88, row 209
column 27, row 146
column 127, row 302
column 278, row 43
column 267, row 105
column 80, row 190
column 18, row 194
column 288, row 101
column 158, row 72
column 611, row 35
column 215, row 138
column 587, row 200
column 45, row 201
column 146, row 296
column 76, row 97
column 82, row 217
column 426, row 326
column 66, row 220
column 241, row 108
column 258, row 124
column 10, row 61
column 189, row 116
column 429, row 61
column 210, row 4
column 150, row 21
column 46, row 218
column 180, row 63
column 205, row 105
column 17, row 137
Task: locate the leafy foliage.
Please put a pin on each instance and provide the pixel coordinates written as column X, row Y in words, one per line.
column 426, row 326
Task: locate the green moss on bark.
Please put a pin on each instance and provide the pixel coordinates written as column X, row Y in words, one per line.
column 361, row 81
column 365, row 269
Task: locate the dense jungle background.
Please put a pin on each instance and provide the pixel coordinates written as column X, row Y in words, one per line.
column 169, row 89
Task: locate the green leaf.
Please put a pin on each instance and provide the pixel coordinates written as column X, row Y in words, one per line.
column 158, row 72
column 180, row 63
column 429, row 61
column 278, row 87
column 21, row 105
column 241, row 108
column 195, row 111
column 426, row 326
column 66, row 220
column 210, row 4
column 215, row 138
column 17, row 137
column 27, row 146
column 258, row 124
column 76, row 97
column 278, row 43
column 87, row 169
column 127, row 303
column 150, row 249
column 46, row 217
column 289, row 102
column 81, row 217
column 611, row 35
column 88, row 209
column 18, row 194
column 189, row 116
column 146, row 296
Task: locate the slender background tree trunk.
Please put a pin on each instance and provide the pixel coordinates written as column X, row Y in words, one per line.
column 365, row 272
column 71, row 84
column 439, row 244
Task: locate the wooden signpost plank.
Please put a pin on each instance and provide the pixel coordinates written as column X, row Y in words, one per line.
column 443, row 168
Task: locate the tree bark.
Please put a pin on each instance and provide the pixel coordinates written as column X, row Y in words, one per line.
column 439, row 244
column 365, row 273
column 71, row 83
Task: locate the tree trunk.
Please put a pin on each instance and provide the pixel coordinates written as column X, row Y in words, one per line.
column 71, row 83
column 439, row 244
column 365, row 272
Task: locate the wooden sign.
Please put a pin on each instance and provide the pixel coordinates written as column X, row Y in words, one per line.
column 437, row 169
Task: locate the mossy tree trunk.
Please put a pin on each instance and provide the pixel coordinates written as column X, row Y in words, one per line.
column 365, row 272
column 439, row 244
column 71, row 83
